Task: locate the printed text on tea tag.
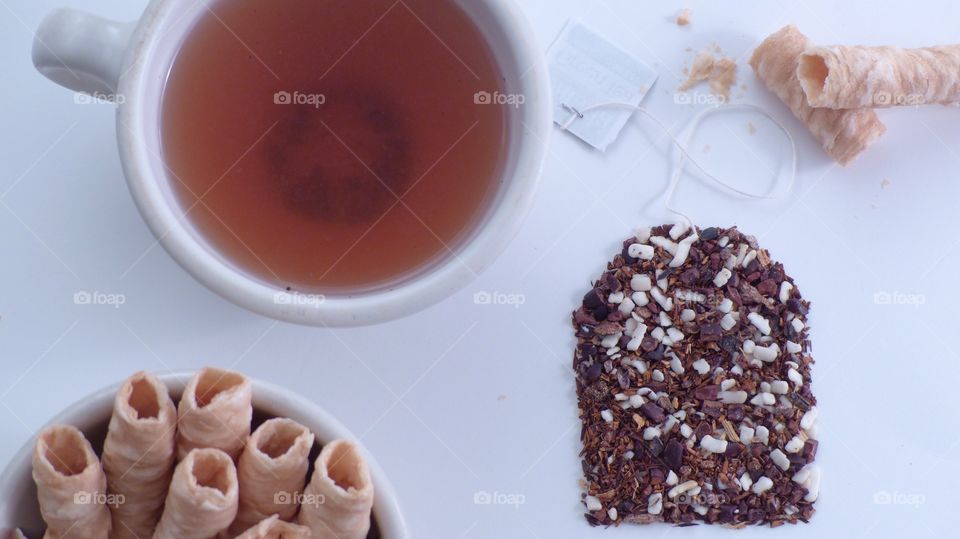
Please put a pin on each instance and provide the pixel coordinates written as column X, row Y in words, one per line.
column 586, row 69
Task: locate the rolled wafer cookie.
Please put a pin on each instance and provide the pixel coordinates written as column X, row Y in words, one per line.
column 203, row 497
column 272, row 472
column 843, row 134
column 338, row 501
column 840, row 77
column 215, row 411
column 139, row 454
column 71, row 486
column 274, row 528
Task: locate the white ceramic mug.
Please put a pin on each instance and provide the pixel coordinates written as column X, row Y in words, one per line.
column 130, row 62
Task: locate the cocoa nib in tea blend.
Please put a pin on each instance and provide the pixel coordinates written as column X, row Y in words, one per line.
column 693, row 377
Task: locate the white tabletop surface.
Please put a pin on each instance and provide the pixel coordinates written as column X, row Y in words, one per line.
column 462, row 398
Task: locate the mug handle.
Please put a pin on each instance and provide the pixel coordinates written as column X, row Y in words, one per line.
column 81, row 51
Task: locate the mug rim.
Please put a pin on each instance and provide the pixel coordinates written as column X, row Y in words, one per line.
column 489, row 238
column 386, row 510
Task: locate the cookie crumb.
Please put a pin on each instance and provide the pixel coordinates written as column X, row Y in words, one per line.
column 685, row 17
column 719, row 71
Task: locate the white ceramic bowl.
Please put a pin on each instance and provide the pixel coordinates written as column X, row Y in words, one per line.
column 18, row 493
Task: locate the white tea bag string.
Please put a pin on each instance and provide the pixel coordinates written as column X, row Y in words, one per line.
column 773, row 194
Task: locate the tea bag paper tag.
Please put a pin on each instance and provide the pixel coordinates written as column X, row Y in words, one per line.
column 586, row 70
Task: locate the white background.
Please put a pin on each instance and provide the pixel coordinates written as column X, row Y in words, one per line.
column 464, row 398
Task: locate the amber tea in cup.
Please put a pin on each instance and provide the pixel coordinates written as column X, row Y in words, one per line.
column 334, row 145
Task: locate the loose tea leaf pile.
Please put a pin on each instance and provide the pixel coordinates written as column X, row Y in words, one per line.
column 693, row 378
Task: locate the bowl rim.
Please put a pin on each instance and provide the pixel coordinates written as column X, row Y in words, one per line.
column 326, row 428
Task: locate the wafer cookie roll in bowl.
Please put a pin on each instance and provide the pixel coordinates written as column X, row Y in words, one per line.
column 843, row 134
column 203, row 497
column 339, row 498
column 215, row 411
column 274, row 528
column 840, row 77
column 272, row 472
column 139, row 454
column 71, row 486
